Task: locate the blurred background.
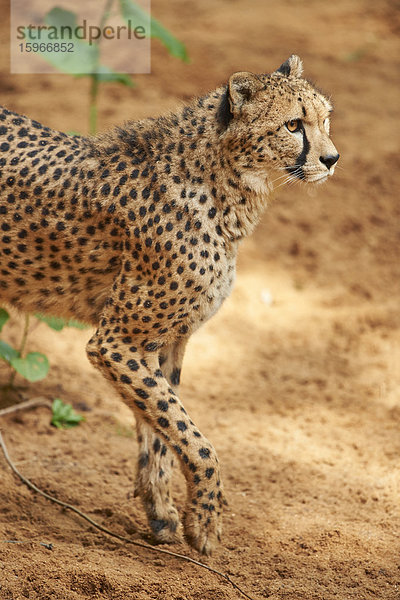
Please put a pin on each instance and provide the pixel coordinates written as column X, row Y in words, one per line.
column 296, row 380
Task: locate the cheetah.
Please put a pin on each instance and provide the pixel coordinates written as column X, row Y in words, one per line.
column 136, row 231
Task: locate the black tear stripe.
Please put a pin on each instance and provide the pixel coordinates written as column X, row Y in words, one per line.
column 301, row 159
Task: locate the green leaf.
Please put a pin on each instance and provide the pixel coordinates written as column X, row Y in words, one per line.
column 58, row 323
column 134, row 13
column 84, row 60
column 64, row 415
column 105, row 74
column 57, row 406
column 33, row 367
column 7, row 352
column 4, row 316
column 77, row 324
column 58, row 17
column 84, row 57
column 173, row 45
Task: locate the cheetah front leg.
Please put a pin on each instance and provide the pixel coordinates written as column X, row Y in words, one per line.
column 136, row 373
column 155, row 463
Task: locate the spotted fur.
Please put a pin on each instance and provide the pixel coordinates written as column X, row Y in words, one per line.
column 136, row 231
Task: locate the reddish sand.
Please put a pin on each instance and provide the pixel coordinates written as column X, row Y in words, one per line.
column 300, row 397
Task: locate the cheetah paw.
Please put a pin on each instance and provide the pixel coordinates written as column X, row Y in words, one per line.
column 168, row 529
column 203, row 533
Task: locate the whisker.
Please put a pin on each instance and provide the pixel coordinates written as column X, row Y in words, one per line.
column 294, row 181
column 280, row 185
column 290, row 179
column 295, row 175
column 280, row 177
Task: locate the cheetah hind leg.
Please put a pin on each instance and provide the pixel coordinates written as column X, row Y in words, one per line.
column 153, row 485
column 156, row 463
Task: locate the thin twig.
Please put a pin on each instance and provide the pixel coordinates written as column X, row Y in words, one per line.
column 32, row 486
column 26, row 404
column 48, row 546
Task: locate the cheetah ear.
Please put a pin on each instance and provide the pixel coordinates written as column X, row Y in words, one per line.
column 242, row 87
column 292, row 67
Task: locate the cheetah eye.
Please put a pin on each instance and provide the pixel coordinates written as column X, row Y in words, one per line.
column 294, row 125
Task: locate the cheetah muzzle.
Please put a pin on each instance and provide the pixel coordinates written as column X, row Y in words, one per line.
column 136, row 231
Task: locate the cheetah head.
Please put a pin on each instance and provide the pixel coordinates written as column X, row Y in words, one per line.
column 277, row 126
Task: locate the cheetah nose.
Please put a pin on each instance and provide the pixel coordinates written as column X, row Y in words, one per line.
column 329, row 160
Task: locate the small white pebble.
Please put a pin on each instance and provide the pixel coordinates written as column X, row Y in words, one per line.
column 266, row 297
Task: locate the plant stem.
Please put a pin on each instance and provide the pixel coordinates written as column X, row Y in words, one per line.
column 94, row 85
column 21, row 347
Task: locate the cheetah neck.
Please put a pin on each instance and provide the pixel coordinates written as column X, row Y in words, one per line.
column 239, row 195
column 190, row 153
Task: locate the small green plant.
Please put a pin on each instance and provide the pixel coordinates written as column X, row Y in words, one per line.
column 85, row 61
column 64, row 416
column 33, row 366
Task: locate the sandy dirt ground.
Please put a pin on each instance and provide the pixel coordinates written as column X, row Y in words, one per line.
column 300, row 395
